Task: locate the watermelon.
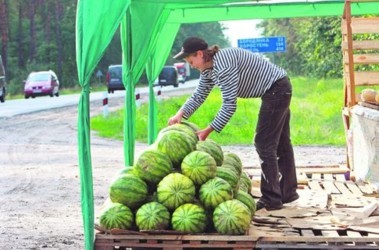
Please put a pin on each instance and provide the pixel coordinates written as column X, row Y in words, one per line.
column 245, row 183
column 191, row 125
column 199, row 166
column 214, row 192
column 212, row 148
column 129, row 190
column 152, row 216
column 152, row 165
column 189, row 218
column 248, row 200
column 126, row 170
column 116, row 215
column 176, row 145
column 182, row 128
column 232, row 217
column 174, row 190
column 231, row 160
column 230, row 175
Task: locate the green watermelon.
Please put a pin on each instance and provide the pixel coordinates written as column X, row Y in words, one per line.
column 191, row 125
column 176, row 145
column 127, row 170
column 152, row 216
column 248, row 200
column 232, row 217
column 245, row 183
column 174, row 190
column 230, row 175
column 116, row 215
column 214, row 192
column 231, row 160
column 212, row 148
column 152, row 165
column 129, row 190
column 189, row 218
column 199, row 166
column 182, row 128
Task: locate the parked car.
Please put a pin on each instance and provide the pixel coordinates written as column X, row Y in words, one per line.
column 41, row 83
column 114, row 78
column 3, row 83
column 169, row 76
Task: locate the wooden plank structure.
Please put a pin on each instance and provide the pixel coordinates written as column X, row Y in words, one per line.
column 332, row 212
column 360, row 51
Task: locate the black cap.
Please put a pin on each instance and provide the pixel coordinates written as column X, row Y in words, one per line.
column 191, row 45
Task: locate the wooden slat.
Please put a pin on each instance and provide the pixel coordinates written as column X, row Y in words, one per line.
column 362, row 45
column 330, row 188
column 342, row 188
column 353, row 188
column 364, row 59
column 361, row 25
column 366, row 78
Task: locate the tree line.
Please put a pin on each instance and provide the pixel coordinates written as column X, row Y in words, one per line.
column 40, row 35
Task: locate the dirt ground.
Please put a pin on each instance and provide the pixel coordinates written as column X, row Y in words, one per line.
column 39, row 176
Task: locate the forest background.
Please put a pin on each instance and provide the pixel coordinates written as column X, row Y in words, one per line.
column 40, row 35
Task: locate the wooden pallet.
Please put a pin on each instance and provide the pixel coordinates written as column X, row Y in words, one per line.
column 318, row 220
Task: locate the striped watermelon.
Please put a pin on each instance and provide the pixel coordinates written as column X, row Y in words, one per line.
column 174, row 190
column 129, row 190
column 176, row 145
column 116, row 215
column 212, row 148
column 248, row 200
column 127, row 170
column 191, row 125
column 232, row 217
column 230, row 175
column 214, row 192
column 182, row 128
column 152, row 216
column 245, row 183
column 231, row 160
column 189, row 218
column 199, row 166
column 152, row 165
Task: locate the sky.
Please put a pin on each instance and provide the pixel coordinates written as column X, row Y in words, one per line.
column 241, row 29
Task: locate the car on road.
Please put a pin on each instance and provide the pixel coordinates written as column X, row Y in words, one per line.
column 3, row 83
column 169, row 76
column 41, row 83
column 114, row 78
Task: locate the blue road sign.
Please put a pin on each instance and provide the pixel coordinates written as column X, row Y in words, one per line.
column 264, row 44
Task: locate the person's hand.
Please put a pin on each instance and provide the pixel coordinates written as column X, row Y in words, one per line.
column 177, row 118
column 203, row 134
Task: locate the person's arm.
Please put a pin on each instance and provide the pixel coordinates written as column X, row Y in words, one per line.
column 195, row 101
column 204, row 133
column 228, row 81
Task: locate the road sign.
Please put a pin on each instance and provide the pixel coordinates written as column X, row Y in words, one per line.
column 264, row 44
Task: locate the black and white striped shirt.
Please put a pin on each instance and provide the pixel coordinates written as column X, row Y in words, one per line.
column 238, row 73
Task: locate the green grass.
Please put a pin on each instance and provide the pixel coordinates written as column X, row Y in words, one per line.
column 315, row 116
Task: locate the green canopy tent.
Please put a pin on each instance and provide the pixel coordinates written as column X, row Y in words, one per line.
column 148, row 29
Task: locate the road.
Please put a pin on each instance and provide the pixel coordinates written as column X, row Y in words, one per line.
column 12, row 108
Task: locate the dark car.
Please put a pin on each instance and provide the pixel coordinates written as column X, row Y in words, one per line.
column 3, row 87
column 114, row 78
column 168, row 76
column 41, row 83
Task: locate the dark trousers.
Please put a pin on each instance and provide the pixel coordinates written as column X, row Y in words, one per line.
column 273, row 144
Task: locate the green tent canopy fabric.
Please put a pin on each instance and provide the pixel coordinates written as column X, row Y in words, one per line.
column 148, row 29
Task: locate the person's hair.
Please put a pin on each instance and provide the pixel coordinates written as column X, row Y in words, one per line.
column 209, row 53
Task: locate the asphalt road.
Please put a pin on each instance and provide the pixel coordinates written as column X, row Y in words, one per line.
column 12, row 108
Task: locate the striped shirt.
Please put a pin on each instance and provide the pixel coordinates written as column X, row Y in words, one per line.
column 238, row 73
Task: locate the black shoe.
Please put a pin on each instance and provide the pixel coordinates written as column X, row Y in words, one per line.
column 292, row 198
column 261, row 205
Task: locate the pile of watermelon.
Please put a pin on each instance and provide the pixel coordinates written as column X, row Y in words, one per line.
column 180, row 183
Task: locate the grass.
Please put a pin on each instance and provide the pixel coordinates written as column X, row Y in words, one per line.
column 315, row 116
